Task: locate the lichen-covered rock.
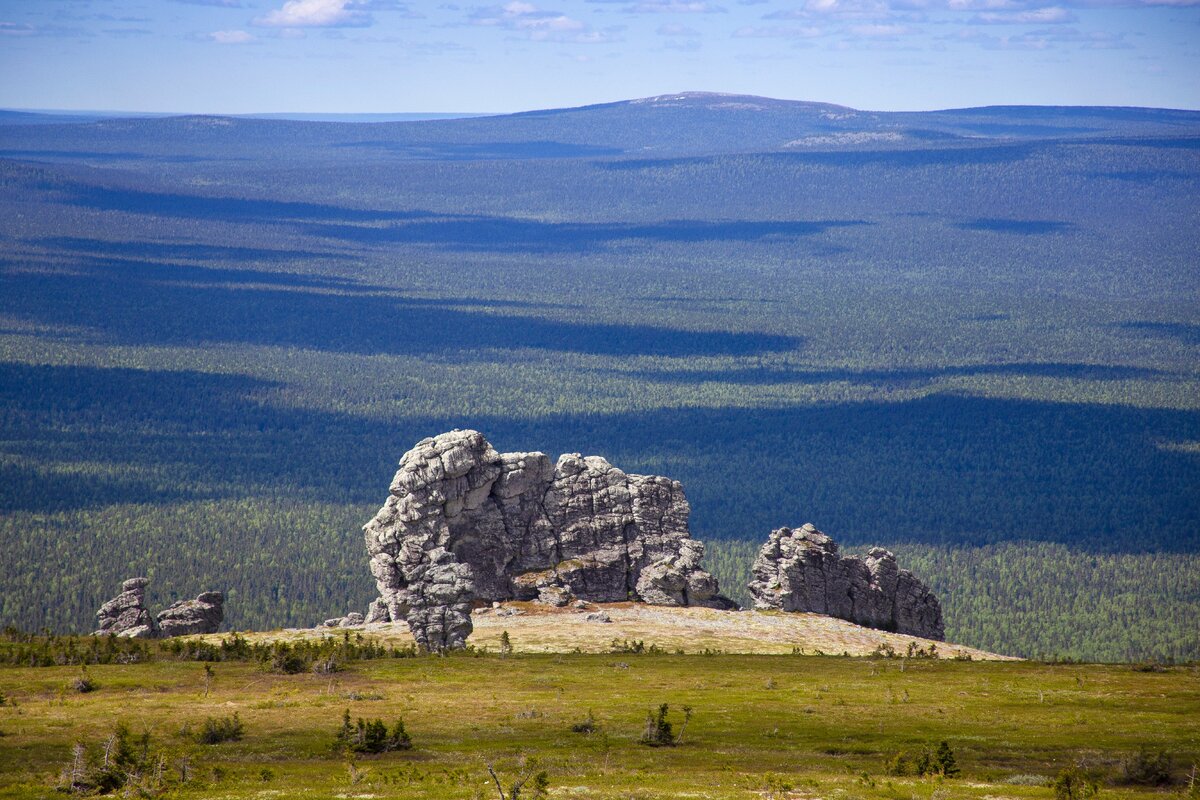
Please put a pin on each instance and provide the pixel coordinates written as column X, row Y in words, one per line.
column 377, row 611
column 187, row 617
column 465, row 523
column 801, row 570
column 126, row 614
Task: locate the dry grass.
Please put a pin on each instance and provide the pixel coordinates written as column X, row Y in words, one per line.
column 536, row 628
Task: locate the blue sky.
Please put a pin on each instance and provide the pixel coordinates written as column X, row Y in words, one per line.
column 344, row 56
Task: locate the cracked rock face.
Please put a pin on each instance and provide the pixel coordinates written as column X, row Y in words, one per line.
column 126, row 614
column 801, row 570
column 464, row 523
column 202, row 615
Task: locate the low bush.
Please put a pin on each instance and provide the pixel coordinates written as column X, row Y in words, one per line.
column 370, row 737
column 940, row 762
column 225, row 729
column 1146, row 768
column 659, row 731
column 587, row 725
column 1073, row 783
column 83, row 682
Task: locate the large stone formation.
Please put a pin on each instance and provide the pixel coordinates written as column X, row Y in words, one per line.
column 126, row 614
column 801, row 570
column 464, row 523
column 185, row 617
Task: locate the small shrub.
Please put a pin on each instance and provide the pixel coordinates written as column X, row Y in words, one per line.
column 945, row 762
column 1027, row 780
column 1145, row 768
column 586, row 726
column 657, row 732
column 776, row 787
column 287, row 661
column 1073, row 783
column 225, row 729
column 533, row 786
column 327, row 666
column 370, row 736
column 939, row 762
column 83, row 683
column 506, row 647
column 899, row 765
column 266, row 775
column 120, row 762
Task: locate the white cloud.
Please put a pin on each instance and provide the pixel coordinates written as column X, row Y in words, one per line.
column 1050, row 15
column 880, row 31
column 675, row 7
column 675, row 29
column 317, row 14
column 539, row 25
column 231, row 37
column 777, row 32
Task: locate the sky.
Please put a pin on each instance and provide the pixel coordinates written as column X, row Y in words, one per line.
column 388, row 56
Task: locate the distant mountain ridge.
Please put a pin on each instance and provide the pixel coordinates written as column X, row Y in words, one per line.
column 670, row 125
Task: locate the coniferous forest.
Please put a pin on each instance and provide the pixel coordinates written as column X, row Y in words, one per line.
column 217, row 337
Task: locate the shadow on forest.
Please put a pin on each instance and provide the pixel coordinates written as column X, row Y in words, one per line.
column 897, row 377
column 139, row 303
column 510, row 234
column 480, row 151
column 133, row 249
column 1023, row 227
column 898, row 158
column 462, row 231
column 1183, row 331
column 945, row 469
column 229, row 209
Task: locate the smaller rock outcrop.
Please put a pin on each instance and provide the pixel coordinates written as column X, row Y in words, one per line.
column 377, row 611
column 186, row 617
column 351, row 620
column 801, row 570
column 126, row 614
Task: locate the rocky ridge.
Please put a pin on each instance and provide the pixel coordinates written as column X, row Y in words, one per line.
column 126, row 614
column 802, row 570
column 464, row 523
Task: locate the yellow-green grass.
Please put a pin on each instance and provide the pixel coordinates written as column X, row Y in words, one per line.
column 823, row 725
column 537, row 628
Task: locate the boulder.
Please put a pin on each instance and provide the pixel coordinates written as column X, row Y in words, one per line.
column 464, row 523
column 126, row 614
column 186, row 617
column 801, row 570
column 377, row 611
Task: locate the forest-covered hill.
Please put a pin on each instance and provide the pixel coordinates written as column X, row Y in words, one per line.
column 981, row 348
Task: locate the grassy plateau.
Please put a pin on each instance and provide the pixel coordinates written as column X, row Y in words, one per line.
column 760, row 726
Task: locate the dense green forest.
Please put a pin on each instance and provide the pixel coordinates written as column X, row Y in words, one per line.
column 983, row 354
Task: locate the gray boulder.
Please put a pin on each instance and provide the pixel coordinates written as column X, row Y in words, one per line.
column 187, row 617
column 377, row 611
column 464, row 523
column 126, row 614
column 801, row 570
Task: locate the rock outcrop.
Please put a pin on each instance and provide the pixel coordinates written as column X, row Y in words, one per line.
column 801, row 570
column 126, row 614
column 351, row 620
column 202, row 615
column 464, row 523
